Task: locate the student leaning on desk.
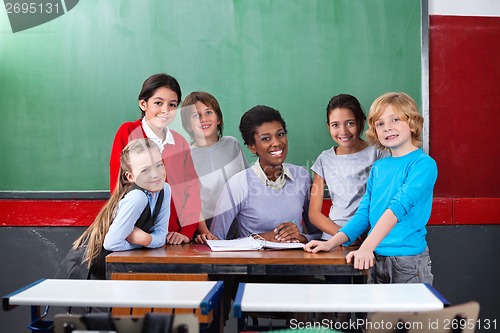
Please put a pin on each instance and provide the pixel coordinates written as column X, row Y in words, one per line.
column 271, row 198
column 344, row 168
column 398, row 199
column 135, row 216
column 159, row 99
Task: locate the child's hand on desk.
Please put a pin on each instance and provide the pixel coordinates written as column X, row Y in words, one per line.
column 363, row 259
column 315, row 246
column 176, row 238
column 139, row 237
column 202, row 238
column 288, row 232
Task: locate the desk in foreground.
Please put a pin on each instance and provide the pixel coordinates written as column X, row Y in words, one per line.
column 198, row 259
column 203, row 295
column 105, row 293
column 259, row 297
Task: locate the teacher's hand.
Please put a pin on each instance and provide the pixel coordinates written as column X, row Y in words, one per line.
column 288, row 232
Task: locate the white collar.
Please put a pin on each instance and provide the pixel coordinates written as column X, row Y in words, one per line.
column 279, row 183
column 169, row 138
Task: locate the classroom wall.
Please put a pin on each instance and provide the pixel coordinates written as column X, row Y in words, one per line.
column 464, row 76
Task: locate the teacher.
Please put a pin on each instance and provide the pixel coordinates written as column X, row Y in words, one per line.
column 271, row 198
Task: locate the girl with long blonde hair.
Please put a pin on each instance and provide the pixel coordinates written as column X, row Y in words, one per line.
column 136, row 215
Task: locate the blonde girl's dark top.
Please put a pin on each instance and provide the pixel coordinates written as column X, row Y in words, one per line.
column 72, row 266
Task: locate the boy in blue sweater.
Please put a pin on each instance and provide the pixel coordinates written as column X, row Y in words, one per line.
column 398, row 199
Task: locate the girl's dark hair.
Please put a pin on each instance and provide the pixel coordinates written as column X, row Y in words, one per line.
column 205, row 98
column 156, row 81
column 254, row 118
column 349, row 102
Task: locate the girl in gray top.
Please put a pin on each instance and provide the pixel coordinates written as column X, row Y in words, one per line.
column 343, row 168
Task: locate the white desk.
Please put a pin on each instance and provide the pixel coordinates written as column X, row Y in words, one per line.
column 109, row 293
column 259, row 297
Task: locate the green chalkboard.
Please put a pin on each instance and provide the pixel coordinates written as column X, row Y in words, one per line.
column 68, row 84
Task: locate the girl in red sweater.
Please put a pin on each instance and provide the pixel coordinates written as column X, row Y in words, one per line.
column 159, row 99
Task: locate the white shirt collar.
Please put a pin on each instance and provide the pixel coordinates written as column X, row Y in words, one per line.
column 169, row 138
column 279, row 183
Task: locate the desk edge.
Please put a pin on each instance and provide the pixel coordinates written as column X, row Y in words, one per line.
column 238, row 300
column 212, row 298
column 437, row 294
column 6, row 299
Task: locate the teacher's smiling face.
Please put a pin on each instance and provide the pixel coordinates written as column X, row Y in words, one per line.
column 271, row 144
column 160, row 109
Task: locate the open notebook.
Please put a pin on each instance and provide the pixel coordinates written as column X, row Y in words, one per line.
column 249, row 243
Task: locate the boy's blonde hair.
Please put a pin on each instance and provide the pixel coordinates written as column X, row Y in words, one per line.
column 93, row 237
column 405, row 108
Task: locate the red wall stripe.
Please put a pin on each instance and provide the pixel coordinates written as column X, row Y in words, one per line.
column 442, row 212
column 49, row 213
column 449, row 211
column 76, row 213
column 476, row 210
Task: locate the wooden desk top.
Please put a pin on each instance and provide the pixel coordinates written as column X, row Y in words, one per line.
column 199, row 259
column 201, row 254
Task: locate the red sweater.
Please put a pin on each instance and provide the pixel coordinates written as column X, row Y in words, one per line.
column 185, row 206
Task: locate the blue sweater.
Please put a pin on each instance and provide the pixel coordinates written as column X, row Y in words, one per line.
column 404, row 185
column 258, row 208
